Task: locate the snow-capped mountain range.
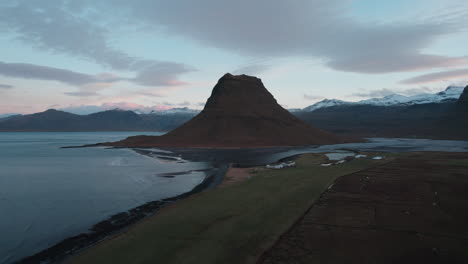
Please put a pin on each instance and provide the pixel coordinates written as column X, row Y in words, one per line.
column 452, row 93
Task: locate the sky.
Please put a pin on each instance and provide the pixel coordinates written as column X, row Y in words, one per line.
column 87, row 55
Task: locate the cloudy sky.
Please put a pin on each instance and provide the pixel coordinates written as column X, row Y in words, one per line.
column 157, row 54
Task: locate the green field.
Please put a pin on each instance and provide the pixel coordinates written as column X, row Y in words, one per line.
column 234, row 224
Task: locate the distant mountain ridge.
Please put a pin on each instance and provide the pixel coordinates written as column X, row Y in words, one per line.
column 451, row 94
column 110, row 120
column 443, row 118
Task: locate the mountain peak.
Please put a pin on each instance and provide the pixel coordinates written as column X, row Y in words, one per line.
column 240, row 94
column 241, row 77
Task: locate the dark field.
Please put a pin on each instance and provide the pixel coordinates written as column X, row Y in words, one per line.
column 411, row 210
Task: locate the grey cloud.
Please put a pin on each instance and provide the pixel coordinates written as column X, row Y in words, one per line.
column 319, row 28
column 161, row 74
column 79, row 29
column 89, row 84
column 185, row 103
column 262, row 28
column 32, row 71
column 437, row 76
column 312, row 97
column 375, row 93
column 49, row 25
column 398, row 62
column 6, row 86
column 150, row 94
column 82, row 94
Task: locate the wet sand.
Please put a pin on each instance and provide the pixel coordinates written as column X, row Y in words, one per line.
column 235, row 175
column 411, row 210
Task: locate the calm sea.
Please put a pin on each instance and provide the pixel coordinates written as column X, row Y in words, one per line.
column 48, row 193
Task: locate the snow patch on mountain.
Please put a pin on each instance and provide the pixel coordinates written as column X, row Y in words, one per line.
column 326, row 103
column 452, row 93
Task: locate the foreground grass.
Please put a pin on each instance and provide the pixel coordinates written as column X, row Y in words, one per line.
column 234, row 224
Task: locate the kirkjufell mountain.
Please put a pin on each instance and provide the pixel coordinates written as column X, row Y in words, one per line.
column 239, row 113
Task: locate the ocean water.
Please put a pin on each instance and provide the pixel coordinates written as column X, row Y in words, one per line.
column 48, row 193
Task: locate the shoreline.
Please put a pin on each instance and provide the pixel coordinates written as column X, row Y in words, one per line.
column 119, row 223
column 114, row 225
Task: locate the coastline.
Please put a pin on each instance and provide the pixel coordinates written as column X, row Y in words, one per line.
column 119, row 223
column 115, row 225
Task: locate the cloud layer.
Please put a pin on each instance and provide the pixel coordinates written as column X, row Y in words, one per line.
column 77, row 29
column 313, row 97
column 437, row 76
column 88, row 84
column 32, row 71
column 5, row 86
column 318, row 28
column 385, row 91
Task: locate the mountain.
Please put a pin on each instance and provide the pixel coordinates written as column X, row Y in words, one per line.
column 50, row 120
column 110, row 120
column 451, row 94
column 239, row 113
column 5, row 117
column 442, row 118
column 55, row 120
